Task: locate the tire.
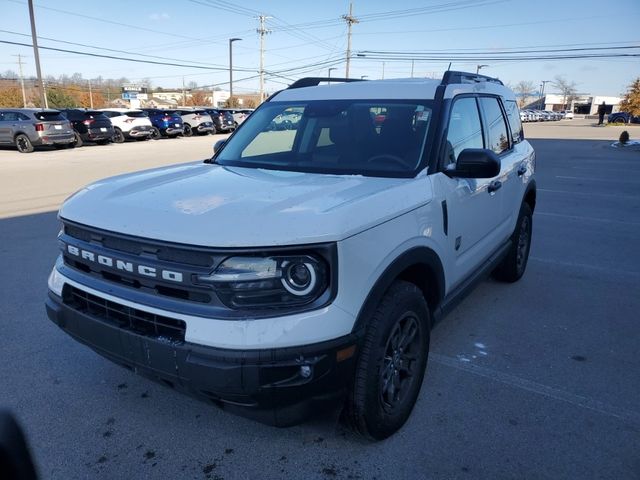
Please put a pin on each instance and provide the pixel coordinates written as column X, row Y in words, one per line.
column 515, row 263
column 375, row 406
column 78, row 142
column 118, row 136
column 188, row 131
column 23, row 144
column 214, row 131
column 155, row 133
column 71, row 145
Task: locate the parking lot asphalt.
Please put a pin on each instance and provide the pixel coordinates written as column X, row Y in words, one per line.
column 535, row 380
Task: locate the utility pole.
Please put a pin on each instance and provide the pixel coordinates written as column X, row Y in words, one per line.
column 184, row 95
column 262, row 31
column 350, row 19
column 412, row 62
column 24, row 96
column 231, row 40
column 90, row 95
column 383, row 70
column 34, row 39
column 544, row 83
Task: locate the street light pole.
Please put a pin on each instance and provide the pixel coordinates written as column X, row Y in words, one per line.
column 34, row 39
column 544, row 82
column 231, row 40
column 332, row 68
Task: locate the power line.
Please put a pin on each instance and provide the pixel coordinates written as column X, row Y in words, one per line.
column 113, row 57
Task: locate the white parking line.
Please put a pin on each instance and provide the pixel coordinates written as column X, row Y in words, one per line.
column 587, row 219
column 598, row 179
column 614, row 271
column 591, row 194
column 530, row 386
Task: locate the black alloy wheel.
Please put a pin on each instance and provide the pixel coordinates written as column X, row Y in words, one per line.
column 23, row 144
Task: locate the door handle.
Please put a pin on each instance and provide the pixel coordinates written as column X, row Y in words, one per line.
column 522, row 170
column 495, row 185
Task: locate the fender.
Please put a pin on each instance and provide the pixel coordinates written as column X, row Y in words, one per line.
column 433, row 286
column 530, row 193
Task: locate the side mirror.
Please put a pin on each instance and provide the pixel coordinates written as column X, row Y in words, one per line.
column 218, row 145
column 475, row 163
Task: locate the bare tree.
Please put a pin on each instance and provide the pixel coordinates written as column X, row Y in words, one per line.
column 524, row 89
column 568, row 90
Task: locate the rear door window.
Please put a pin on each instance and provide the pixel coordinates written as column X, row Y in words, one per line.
column 496, row 125
column 513, row 115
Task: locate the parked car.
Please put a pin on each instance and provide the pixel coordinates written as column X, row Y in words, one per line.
column 196, row 121
column 27, row 128
column 222, row 121
column 128, row 124
column 568, row 114
column 165, row 123
column 89, row 125
column 297, row 269
column 623, row 118
column 239, row 115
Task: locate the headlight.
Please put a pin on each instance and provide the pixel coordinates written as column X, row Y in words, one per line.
column 264, row 282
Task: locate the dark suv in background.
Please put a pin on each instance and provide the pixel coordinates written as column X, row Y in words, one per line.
column 166, row 123
column 222, row 120
column 89, row 126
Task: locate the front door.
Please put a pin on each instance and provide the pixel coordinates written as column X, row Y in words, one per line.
column 473, row 204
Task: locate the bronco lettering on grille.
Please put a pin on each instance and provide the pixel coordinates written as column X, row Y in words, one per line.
column 125, row 266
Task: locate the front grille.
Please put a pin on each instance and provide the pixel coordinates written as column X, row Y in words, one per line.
column 138, row 246
column 122, row 316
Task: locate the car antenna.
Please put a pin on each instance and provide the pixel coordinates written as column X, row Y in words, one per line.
column 449, row 67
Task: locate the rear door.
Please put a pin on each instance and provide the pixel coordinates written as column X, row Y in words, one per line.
column 473, row 207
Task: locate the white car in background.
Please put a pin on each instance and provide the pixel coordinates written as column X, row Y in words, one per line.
column 568, row 114
column 128, row 123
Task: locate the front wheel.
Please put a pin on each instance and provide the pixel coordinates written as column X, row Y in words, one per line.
column 391, row 364
column 78, row 139
column 23, row 144
column 188, row 131
column 514, row 264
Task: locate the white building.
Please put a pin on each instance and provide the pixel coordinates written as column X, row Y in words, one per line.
column 584, row 104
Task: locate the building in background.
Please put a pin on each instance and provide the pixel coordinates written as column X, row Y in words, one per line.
column 582, row 104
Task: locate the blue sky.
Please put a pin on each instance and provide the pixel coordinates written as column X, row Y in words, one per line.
column 307, row 33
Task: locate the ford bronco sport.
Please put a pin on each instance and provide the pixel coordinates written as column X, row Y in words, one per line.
column 301, row 266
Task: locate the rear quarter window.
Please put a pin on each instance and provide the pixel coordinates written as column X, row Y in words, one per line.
column 513, row 115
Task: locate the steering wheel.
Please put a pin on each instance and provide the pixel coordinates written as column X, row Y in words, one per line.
column 388, row 157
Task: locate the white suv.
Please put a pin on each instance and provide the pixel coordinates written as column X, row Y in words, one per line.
column 128, row 123
column 302, row 266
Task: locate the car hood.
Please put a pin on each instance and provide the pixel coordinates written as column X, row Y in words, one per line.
column 212, row 205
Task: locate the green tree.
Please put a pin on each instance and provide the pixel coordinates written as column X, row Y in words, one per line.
column 59, row 98
column 631, row 99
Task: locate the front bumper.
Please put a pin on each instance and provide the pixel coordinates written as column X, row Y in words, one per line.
column 279, row 386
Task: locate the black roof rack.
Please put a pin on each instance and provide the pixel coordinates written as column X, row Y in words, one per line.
column 451, row 76
column 315, row 81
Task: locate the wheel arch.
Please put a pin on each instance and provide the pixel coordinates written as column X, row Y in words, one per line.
column 420, row 266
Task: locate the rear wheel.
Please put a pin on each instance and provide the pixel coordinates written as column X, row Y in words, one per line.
column 155, row 133
column 188, row 131
column 214, row 130
column 514, row 264
column 23, row 144
column 118, row 136
column 619, row 121
column 78, row 139
column 391, row 364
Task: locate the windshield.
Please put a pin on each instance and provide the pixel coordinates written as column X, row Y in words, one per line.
column 362, row 137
